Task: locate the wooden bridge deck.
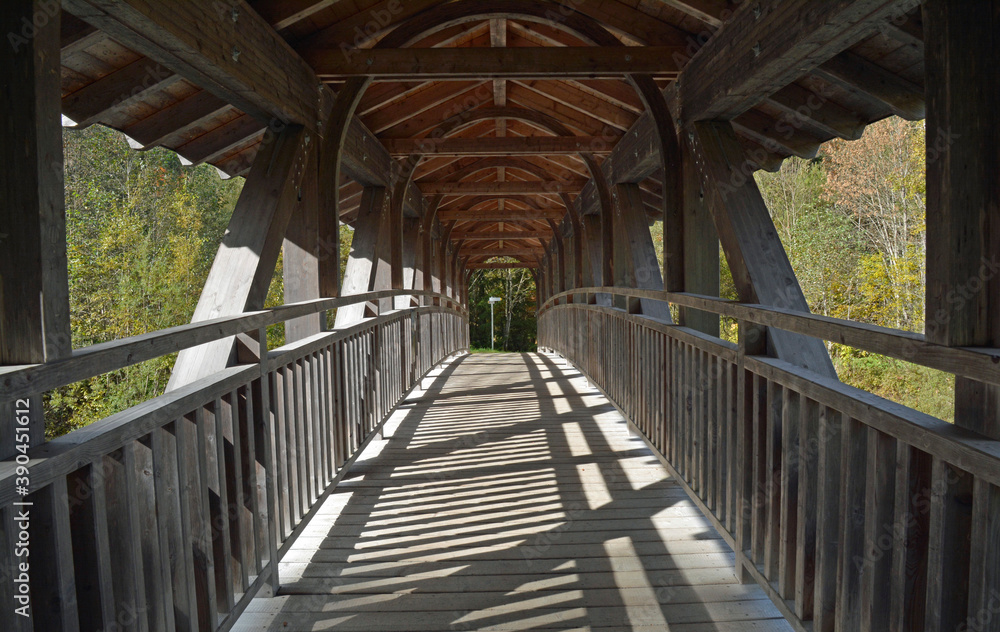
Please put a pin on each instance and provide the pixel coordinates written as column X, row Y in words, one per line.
column 509, row 496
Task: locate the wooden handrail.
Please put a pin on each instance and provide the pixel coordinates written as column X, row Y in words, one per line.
column 980, row 363
column 25, row 380
column 809, row 479
column 224, row 469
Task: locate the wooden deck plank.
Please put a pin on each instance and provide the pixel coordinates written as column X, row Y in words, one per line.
column 507, row 496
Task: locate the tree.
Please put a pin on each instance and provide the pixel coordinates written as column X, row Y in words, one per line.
column 516, row 312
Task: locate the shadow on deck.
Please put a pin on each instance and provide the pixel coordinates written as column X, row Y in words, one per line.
column 509, row 495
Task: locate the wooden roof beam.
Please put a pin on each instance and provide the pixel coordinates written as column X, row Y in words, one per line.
column 249, row 64
column 903, row 98
column 96, row 100
column 174, row 120
column 507, row 215
column 501, row 252
column 767, row 45
column 497, row 235
column 396, row 64
column 528, row 187
column 499, row 265
column 497, row 146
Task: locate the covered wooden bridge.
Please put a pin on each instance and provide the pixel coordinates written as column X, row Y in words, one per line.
column 756, row 492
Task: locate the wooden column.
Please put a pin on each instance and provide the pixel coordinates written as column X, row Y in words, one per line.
column 701, row 249
column 963, row 294
column 363, row 263
column 243, row 268
column 302, row 254
column 34, row 294
column 963, row 192
column 331, row 152
column 34, row 288
column 413, row 253
column 635, row 255
column 570, row 270
column 587, row 260
column 758, row 261
column 558, row 263
column 397, row 246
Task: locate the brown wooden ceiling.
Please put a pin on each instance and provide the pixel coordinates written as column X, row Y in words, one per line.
column 106, row 82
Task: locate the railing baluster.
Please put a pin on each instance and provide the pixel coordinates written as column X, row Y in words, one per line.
column 91, row 547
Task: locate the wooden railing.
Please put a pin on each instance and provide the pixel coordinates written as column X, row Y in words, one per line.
column 853, row 512
column 171, row 515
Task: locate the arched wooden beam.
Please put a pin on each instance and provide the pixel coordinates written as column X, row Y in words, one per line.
column 443, row 16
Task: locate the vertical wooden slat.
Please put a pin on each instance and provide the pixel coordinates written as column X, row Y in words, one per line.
column 984, row 584
column 127, row 577
column 176, row 555
column 852, row 525
column 808, row 507
column 91, row 547
column 254, row 495
column 232, row 480
column 879, row 525
column 789, row 501
column 910, row 546
column 193, row 466
column 212, row 443
column 280, row 447
column 53, row 584
column 949, row 547
column 142, row 491
column 247, row 462
column 828, row 520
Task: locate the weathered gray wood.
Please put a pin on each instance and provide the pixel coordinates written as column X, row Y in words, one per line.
column 760, row 267
column 398, row 64
column 303, row 253
column 909, row 553
column 244, row 265
column 777, row 42
column 949, row 548
column 91, row 547
column 963, row 196
column 251, row 66
column 701, row 248
column 53, row 581
column 34, row 290
column 361, row 263
column 175, row 555
column 634, row 249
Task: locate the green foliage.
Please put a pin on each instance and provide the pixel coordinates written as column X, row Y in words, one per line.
column 516, row 329
column 142, row 231
column 853, row 224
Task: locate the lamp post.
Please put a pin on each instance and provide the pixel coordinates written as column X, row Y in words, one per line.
column 493, row 300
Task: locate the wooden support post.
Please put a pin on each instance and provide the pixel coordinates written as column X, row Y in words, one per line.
column 570, row 261
column 413, row 256
column 963, row 192
column 558, row 262
column 302, row 253
column 34, row 292
column 760, row 267
column 635, row 255
column 963, row 293
column 243, row 268
column 363, row 262
column 396, row 243
column 701, row 249
column 34, row 288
